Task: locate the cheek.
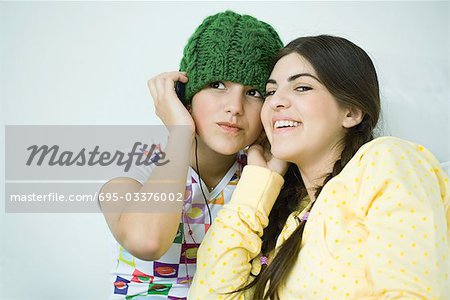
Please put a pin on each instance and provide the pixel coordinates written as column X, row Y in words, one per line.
column 266, row 119
column 194, row 107
column 253, row 112
column 195, row 114
column 200, row 108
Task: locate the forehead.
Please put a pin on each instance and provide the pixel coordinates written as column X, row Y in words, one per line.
column 290, row 65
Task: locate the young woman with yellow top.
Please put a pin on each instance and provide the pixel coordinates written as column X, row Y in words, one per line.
column 353, row 218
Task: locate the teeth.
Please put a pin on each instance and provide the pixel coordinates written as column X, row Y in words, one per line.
column 285, row 123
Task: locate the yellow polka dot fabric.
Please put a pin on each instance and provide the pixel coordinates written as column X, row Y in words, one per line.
column 378, row 230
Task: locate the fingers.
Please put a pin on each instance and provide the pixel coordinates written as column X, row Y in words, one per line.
column 162, row 86
column 168, row 86
column 255, row 156
column 278, row 165
column 168, row 107
column 174, row 76
column 262, row 138
column 183, row 77
column 256, row 149
column 260, row 156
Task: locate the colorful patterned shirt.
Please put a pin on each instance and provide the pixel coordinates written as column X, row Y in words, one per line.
column 170, row 276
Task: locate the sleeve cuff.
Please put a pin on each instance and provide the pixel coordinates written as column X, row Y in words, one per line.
column 258, row 188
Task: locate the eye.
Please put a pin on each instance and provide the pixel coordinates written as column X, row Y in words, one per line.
column 269, row 93
column 303, row 88
column 217, row 85
column 255, row 93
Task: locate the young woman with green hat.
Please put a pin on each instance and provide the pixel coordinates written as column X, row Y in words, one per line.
column 224, row 68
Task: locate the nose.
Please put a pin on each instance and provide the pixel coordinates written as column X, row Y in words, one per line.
column 234, row 103
column 278, row 100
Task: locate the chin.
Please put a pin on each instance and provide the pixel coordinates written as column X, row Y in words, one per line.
column 283, row 153
column 225, row 147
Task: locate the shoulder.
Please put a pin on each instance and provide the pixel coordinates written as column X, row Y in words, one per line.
column 393, row 159
column 394, row 149
column 387, row 144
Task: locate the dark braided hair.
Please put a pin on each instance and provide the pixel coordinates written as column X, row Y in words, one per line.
column 349, row 75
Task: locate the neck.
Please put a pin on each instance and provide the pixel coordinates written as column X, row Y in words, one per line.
column 213, row 166
column 314, row 172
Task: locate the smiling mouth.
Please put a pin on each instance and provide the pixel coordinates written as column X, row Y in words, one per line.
column 285, row 124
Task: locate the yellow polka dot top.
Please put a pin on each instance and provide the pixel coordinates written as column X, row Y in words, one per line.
column 378, row 230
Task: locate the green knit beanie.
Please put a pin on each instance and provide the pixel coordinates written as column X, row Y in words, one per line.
column 229, row 47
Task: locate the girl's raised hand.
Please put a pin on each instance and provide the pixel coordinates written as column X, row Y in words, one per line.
column 168, row 107
column 259, row 154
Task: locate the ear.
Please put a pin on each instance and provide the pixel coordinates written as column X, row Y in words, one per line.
column 353, row 116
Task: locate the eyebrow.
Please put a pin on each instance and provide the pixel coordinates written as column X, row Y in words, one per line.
column 293, row 77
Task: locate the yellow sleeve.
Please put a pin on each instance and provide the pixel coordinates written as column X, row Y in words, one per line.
column 405, row 204
column 224, row 259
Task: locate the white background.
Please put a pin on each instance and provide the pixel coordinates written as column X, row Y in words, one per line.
column 88, row 63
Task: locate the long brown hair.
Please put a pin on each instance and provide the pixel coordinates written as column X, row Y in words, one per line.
column 349, row 75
